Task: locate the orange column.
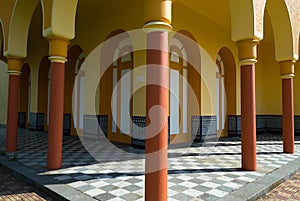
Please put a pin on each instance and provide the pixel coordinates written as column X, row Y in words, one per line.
column 14, row 71
column 157, row 93
column 58, row 54
column 247, row 55
column 157, row 24
column 287, row 74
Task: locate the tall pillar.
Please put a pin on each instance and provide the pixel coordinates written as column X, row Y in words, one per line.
column 157, row 25
column 14, row 71
column 247, row 56
column 287, row 74
column 57, row 55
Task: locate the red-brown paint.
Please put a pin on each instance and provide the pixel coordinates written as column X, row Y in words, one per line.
column 57, row 73
column 156, row 176
column 288, row 115
column 12, row 114
column 248, row 117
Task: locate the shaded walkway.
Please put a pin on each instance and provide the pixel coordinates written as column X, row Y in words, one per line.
column 209, row 172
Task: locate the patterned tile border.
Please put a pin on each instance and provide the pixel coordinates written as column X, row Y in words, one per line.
column 264, row 124
column 36, row 121
column 22, row 119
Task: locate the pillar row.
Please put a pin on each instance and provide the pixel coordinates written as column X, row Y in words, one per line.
column 14, row 72
column 287, row 76
column 247, row 56
column 57, row 55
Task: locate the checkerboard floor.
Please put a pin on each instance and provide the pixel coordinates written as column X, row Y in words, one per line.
column 106, row 171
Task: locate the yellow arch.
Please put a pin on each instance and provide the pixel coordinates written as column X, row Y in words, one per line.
column 58, row 22
column 247, row 19
column 59, row 18
column 286, row 32
column 18, row 28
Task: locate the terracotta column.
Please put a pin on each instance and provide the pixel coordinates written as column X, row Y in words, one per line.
column 14, row 71
column 247, row 56
column 287, row 74
column 157, row 25
column 58, row 54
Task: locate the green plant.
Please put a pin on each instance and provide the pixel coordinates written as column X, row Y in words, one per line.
column 14, row 157
column 2, row 153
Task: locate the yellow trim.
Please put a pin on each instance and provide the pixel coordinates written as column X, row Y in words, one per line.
column 58, row 59
column 157, row 26
column 14, row 64
column 245, row 62
column 287, row 68
column 248, row 49
column 58, row 47
column 158, row 10
column 287, row 76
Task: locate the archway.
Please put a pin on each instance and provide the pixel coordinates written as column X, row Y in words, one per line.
column 75, row 60
column 119, row 128
column 43, row 91
column 185, row 65
column 24, row 103
column 225, row 90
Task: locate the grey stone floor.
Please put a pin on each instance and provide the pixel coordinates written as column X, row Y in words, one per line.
column 104, row 171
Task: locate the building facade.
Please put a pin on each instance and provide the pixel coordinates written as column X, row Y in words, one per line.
column 80, row 68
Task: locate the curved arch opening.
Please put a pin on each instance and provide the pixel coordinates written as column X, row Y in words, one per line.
column 43, row 94
column 19, row 27
column 284, row 38
column 184, row 51
column 115, row 88
column 24, row 103
column 73, row 118
column 225, row 90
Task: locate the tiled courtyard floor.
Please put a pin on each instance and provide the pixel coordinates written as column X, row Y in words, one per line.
column 210, row 171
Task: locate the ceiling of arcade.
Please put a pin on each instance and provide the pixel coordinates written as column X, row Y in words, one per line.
column 85, row 9
column 215, row 10
column 219, row 14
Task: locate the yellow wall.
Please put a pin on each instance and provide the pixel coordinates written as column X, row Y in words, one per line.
column 268, row 81
column 35, row 54
column 297, row 88
column 211, row 37
column 3, row 92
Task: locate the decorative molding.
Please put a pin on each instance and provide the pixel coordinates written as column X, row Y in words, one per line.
column 157, row 26
column 14, row 72
column 58, row 59
column 287, row 76
column 245, row 62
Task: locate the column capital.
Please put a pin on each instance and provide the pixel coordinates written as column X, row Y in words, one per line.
column 158, row 14
column 287, row 69
column 14, row 72
column 157, row 26
column 248, row 51
column 58, row 47
column 14, row 66
column 58, row 59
